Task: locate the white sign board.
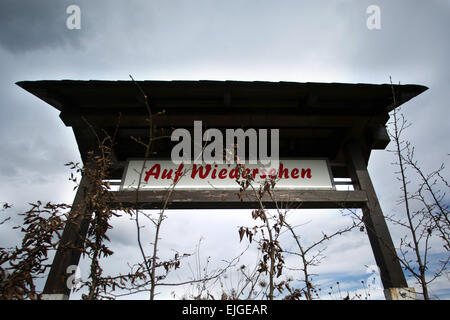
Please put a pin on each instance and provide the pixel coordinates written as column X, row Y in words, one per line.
column 164, row 174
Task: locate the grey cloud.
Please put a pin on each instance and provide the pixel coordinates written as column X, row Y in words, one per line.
column 411, row 37
column 28, row 25
column 211, row 39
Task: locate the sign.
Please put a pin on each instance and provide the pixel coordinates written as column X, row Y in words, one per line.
column 164, row 174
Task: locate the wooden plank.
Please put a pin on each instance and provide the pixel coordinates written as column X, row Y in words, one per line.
column 383, row 248
column 68, row 252
column 217, row 199
column 219, row 119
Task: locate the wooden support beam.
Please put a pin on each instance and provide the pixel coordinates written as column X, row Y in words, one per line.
column 217, row 119
column 219, row 199
column 391, row 272
column 70, row 245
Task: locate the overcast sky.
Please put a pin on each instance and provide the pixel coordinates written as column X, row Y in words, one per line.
column 321, row 41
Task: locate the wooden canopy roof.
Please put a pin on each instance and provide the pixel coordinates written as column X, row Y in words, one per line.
column 315, row 119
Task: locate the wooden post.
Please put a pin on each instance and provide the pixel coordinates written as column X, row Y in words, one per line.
column 70, row 246
column 391, row 272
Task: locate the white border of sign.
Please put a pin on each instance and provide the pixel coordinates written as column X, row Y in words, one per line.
column 321, row 177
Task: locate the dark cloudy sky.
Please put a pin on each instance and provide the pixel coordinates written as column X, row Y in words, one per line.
column 286, row 40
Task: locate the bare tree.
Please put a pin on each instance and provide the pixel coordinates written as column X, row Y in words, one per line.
column 22, row 265
column 425, row 209
column 311, row 255
column 272, row 260
column 273, row 256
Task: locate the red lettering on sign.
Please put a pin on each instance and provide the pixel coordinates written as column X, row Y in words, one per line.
column 214, row 172
column 273, row 173
column 167, row 174
column 154, row 171
column 245, row 173
column 234, row 174
column 283, row 171
column 201, row 173
column 306, row 172
column 223, row 174
column 263, row 173
column 255, row 172
column 208, row 172
column 178, row 173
